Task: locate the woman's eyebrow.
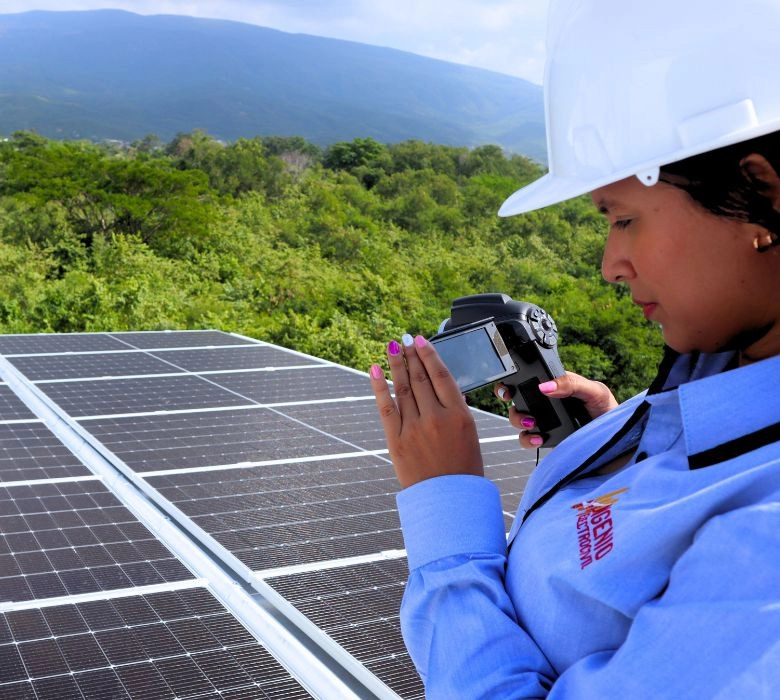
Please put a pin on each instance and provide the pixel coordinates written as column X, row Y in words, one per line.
column 604, row 205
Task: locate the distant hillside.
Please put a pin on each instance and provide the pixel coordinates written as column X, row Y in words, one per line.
column 110, row 74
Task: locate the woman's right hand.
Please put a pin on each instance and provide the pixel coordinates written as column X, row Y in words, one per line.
column 596, row 396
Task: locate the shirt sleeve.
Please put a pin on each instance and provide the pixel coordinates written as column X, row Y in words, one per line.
column 714, row 631
column 457, row 619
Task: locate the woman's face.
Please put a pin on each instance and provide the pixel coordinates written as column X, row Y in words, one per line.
column 696, row 274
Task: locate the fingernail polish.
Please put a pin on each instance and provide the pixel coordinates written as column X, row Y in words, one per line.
column 407, row 340
column 537, row 441
column 547, row 387
column 393, row 347
column 376, row 372
column 420, row 341
column 528, row 422
column 503, row 394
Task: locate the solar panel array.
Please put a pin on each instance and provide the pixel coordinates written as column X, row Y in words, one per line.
column 198, row 514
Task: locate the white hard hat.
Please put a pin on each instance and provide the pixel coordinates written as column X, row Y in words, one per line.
column 631, row 85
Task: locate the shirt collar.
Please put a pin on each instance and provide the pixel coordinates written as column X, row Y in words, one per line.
column 728, row 413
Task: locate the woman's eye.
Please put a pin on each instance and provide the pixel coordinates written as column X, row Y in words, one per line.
column 621, row 223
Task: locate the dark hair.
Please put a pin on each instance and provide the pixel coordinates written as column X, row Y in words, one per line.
column 717, row 181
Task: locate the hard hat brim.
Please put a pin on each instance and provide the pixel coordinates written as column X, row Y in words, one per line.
column 553, row 189
column 545, row 191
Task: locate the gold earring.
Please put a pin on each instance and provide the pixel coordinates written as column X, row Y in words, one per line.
column 764, row 241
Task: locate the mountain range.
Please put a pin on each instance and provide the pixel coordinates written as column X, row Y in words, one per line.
column 111, row 74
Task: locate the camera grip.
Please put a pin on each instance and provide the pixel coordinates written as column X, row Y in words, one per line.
column 555, row 418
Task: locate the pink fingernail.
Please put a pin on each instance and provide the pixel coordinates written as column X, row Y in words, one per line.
column 537, row 441
column 376, row 372
column 393, row 347
column 528, row 422
column 547, row 387
column 420, row 341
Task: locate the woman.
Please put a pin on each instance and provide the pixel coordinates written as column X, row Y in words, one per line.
column 645, row 557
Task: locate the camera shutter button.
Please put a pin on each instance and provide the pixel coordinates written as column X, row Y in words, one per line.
column 544, row 328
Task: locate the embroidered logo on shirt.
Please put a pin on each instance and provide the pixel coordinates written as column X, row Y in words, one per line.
column 594, row 527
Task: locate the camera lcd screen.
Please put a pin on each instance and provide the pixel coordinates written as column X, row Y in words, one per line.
column 475, row 356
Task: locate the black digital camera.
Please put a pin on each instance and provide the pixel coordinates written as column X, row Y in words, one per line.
column 490, row 338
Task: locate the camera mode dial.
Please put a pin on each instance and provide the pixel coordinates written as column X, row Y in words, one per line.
column 543, row 327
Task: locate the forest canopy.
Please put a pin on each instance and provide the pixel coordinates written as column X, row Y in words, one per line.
column 329, row 252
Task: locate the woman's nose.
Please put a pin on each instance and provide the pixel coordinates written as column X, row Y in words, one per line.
column 615, row 264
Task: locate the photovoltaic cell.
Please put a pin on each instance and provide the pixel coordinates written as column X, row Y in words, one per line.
column 172, row 644
column 11, row 407
column 357, row 606
column 490, row 426
column 69, row 538
column 221, row 359
column 182, row 441
column 139, row 395
column 32, row 451
column 58, row 343
column 310, row 384
column 355, row 422
column 147, row 340
column 294, row 513
column 110, row 364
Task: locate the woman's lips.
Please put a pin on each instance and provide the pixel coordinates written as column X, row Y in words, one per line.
column 648, row 307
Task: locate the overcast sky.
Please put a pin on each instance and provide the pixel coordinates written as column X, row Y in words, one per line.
column 501, row 35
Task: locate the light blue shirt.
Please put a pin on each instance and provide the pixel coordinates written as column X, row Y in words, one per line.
column 660, row 580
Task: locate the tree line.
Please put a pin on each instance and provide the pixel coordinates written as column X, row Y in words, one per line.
column 331, row 252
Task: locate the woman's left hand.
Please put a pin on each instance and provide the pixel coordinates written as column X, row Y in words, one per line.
column 429, row 428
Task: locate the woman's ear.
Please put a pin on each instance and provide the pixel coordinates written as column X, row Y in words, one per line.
column 759, row 171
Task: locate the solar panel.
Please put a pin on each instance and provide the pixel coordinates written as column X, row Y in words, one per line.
column 358, row 607
column 175, row 643
column 205, row 452
column 146, row 340
column 93, row 364
column 354, row 422
column 82, row 398
column 309, row 384
column 295, row 512
column 39, row 343
column 29, row 450
column 184, row 440
column 220, row 359
column 11, row 407
column 73, row 537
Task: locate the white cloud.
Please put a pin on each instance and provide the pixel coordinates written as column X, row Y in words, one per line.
column 502, row 35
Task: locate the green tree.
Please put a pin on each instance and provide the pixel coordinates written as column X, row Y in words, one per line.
column 103, row 194
column 348, row 155
column 417, row 155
